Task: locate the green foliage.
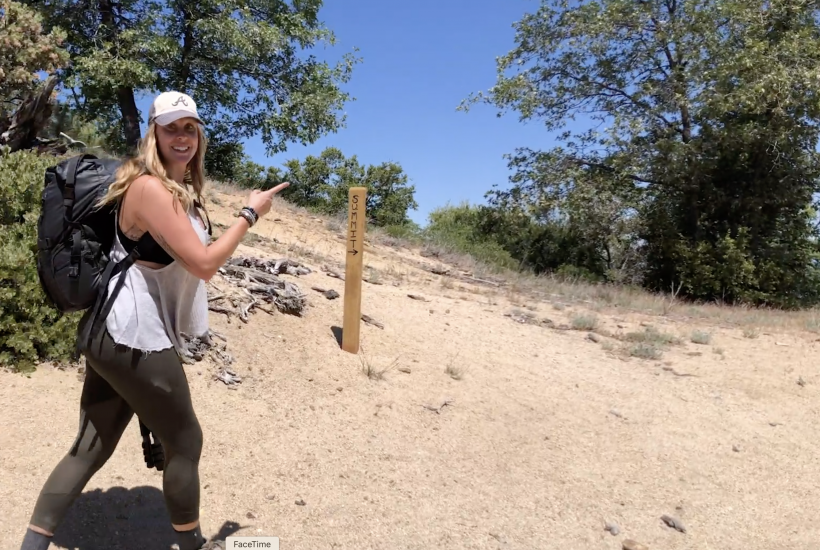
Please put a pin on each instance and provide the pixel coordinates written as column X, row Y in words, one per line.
column 223, row 161
column 314, row 180
column 71, row 122
column 409, row 231
column 227, row 162
column 720, row 269
column 508, row 239
column 700, row 165
column 25, row 50
column 458, row 228
column 322, row 184
column 30, row 329
column 243, row 62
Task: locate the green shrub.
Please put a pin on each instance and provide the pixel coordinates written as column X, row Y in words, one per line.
column 457, row 229
column 571, row 273
column 584, row 322
column 645, row 350
column 407, row 231
column 30, row 329
column 653, row 336
column 701, row 337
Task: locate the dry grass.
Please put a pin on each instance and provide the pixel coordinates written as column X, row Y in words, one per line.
column 584, row 322
column 651, row 335
column 650, row 343
column 614, row 299
column 374, row 372
column 213, row 186
column 561, row 292
column 608, row 298
column 751, row 332
column 645, row 350
column 701, row 337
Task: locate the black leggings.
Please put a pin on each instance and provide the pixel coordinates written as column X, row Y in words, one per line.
column 119, row 382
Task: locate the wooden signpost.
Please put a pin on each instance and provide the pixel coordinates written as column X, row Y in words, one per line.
column 356, row 218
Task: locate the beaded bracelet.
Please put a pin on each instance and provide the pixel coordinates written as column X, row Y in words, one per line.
column 252, row 213
column 248, row 217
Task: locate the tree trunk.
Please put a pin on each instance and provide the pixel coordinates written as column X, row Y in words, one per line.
column 22, row 129
column 125, row 94
column 187, row 46
column 130, row 118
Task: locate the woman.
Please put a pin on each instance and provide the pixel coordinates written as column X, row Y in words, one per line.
column 134, row 365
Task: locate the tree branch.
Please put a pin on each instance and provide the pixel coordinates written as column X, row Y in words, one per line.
column 617, row 92
column 600, row 166
column 675, row 64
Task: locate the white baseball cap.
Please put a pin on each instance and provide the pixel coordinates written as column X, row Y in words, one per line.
column 171, row 106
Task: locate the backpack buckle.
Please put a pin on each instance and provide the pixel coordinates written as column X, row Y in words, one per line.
column 74, row 271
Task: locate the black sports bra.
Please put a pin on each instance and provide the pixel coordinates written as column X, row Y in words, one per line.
column 150, row 251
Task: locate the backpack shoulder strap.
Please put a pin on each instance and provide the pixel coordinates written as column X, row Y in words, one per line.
column 199, row 205
column 104, row 303
column 71, row 168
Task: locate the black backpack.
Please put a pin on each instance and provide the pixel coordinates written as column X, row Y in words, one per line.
column 74, row 240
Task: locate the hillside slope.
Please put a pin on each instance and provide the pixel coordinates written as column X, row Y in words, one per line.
column 491, row 427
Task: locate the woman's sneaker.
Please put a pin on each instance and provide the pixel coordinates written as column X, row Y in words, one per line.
column 209, row 545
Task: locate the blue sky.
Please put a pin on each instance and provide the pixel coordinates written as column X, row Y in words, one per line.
column 419, row 61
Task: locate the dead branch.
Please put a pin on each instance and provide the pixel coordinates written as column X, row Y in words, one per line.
column 438, row 270
column 471, row 279
column 262, row 308
column 330, row 294
column 441, row 270
column 274, row 267
column 197, row 349
column 437, row 410
column 220, row 309
column 250, row 274
column 254, row 287
column 260, row 280
column 21, row 130
column 228, row 376
column 371, row 321
column 245, row 310
column 332, row 273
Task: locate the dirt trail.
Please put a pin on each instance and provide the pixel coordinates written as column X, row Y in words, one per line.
column 545, row 437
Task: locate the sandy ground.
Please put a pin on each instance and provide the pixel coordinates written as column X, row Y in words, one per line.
column 545, row 437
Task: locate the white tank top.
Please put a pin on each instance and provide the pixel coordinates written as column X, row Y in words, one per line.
column 155, row 307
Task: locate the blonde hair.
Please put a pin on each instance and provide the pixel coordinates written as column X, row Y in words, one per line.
column 148, row 161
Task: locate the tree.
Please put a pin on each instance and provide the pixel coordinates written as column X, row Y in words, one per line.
column 227, row 162
column 322, row 184
column 313, row 180
column 389, row 197
column 240, row 60
column 25, row 51
column 710, row 117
